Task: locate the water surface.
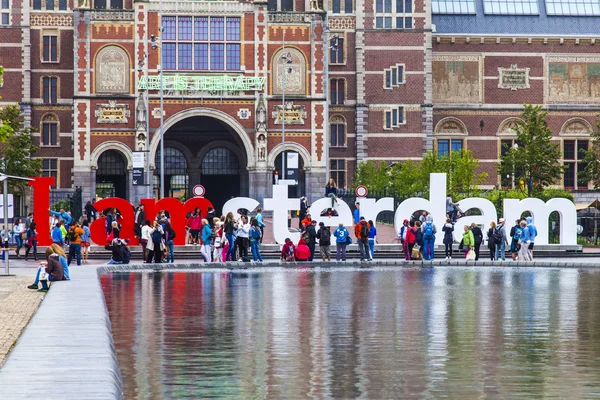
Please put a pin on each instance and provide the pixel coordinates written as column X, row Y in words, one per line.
column 458, row 333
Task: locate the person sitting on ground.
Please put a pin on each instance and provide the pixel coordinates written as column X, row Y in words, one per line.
column 49, row 270
column 120, row 252
column 288, row 251
column 62, row 257
column 302, row 251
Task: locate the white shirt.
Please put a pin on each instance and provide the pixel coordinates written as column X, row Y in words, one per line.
column 243, row 230
column 146, row 233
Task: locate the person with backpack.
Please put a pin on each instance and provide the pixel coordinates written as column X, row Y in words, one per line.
column 311, row 238
column 74, row 236
column 417, row 249
column 491, row 240
column 478, row 236
column 341, row 241
column 207, row 241
column 500, row 240
column 361, row 231
column 515, row 234
column 372, row 239
column 324, row 235
column 429, row 230
column 448, row 230
column 169, row 237
column 155, row 246
column 532, row 234
column 410, row 238
column 31, row 241
column 255, row 236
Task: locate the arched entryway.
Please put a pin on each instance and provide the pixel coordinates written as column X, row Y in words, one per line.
column 111, row 175
column 176, row 174
column 220, row 175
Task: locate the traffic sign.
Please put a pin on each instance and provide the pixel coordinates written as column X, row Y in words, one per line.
column 361, row 191
column 199, row 191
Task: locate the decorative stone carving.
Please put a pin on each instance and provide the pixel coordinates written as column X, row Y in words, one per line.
column 293, row 114
column 112, row 70
column 576, row 127
column 513, row 78
column 140, row 113
column 84, row 4
column 456, row 79
column 294, row 67
column 261, row 129
column 112, row 113
column 450, row 127
column 508, row 127
column 244, row 113
column 573, row 80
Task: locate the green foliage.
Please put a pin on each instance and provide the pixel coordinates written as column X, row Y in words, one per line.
column 591, row 159
column 497, row 196
column 409, row 179
column 17, row 148
column 535, row 160
column 5, row 129
column 64, row 203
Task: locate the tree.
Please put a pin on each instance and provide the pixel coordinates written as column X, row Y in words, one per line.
column 534, row 160
column 17, row 149
column 591, row 158
column 460, row 168
column 4, row 128
column 375, row 176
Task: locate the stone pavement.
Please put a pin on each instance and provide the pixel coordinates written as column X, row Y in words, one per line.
column 17, row 305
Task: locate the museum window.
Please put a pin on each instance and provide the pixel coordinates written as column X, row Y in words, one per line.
column 336, row 91
column 201, row 43
column 337, row 131
column 394, row 118
column 445, row 146
column 573, row 7
column 390, row 14
column 50, row 168
column 5, row 12
column 37, row 4
column 511, row 7
column 116, row 4
column 100, row 4
column 341, row 6
column 394, row 76
column 280, row 5
column 50, row 48
column 336, row 50
column 337, row 171
column 49, row 89
column 104, row 4
column 49, row 131
column 62, row 5
column 573, row 154
column 49, row 5
column 453, row 7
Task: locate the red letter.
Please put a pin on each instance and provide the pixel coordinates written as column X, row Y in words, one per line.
column 98, row 228
column 41, row 205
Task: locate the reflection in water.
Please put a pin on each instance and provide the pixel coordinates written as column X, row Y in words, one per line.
column 405, row 333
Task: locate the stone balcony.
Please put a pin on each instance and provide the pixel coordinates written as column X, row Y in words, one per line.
column 112, row 15
column 203, row 7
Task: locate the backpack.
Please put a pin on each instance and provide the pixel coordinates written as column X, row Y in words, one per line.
column 497, row 235
column 71, row 235
column 156, row 236
column 517, row 235
column 428, row 234
column 255, row 233
column 364, row 231
column 306, row 236
column 325, row 236
column 172, row 234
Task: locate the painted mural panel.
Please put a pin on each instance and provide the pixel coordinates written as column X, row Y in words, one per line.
column 573, row 80
column 456, row 79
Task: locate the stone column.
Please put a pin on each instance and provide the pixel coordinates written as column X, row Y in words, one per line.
column 315, row 183
column 260, row 184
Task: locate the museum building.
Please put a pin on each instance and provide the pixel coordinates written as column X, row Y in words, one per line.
column 244, row 81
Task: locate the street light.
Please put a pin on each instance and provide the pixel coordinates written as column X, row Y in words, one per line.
column 4, row 179
column 333, row 45
column 141, row 68
column 156, row 46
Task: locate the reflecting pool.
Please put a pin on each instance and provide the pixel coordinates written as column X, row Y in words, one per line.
column 459, row 333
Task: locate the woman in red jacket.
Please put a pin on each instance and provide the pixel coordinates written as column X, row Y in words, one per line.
column 411, row 238
column 302, row 251
column 195, row 225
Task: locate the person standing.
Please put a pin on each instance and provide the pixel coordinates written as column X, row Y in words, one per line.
column 85, row 241
column 31, row 241
column 303, row 211
column 90, row 211
column 169, row 241
column 491, row 240
column 403, row 236
column 195, row 225
column 419, row 242
column 515, row 234
column 210, row 217
column 341, row 241
column 74, row 236
column 140, row 217
column 448, row 230
column 28, row 220
column 255, row 236
column 361, row 231
column 146, row 239
column 468, row 240
column 372, row 239
column 532, row 235
column 324, row 235
column 500, row 240
column 429, row 230
column 20, row 234
column 242, row 241
column 261, row 223
column 410, row 238
column 311, row 234
column 356, row 213
column 228, row 229
column 155, row 245
column 207, row 235
column 478, row 236
column 525, row 240
column 57, row 236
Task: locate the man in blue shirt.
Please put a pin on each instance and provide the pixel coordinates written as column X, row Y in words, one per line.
column 357, row 213
column 63, row 215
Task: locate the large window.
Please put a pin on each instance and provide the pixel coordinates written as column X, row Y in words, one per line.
column 573, row 7
column 337, row 171
column 336, row 50
column 336, row 91
column 201, row 43
column 37, row 4
column 453, row 6
column 50, row 131
column 337, row 131
column 342, row 6
column 50, row 168
column 444, row 146
column 394, row 76
column 390, row 14
column 573, row 153
column 280, row 5
column 394, row 118
column 4, row 12
column 49, row 89
column 50, row 50
column 511, row 7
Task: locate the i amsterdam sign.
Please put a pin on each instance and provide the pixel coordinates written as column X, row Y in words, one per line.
column 280, row 204
column 201, row 83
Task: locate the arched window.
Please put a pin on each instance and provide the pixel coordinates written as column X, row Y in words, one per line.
column 111, row 162
column 220, row 161
column 337, row 130
column 176, row 175
column 49, row 130
column 450, row 134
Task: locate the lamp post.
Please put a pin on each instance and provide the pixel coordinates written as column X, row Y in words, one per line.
column 147, row 101
column 328, row 47
column 160, row 78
